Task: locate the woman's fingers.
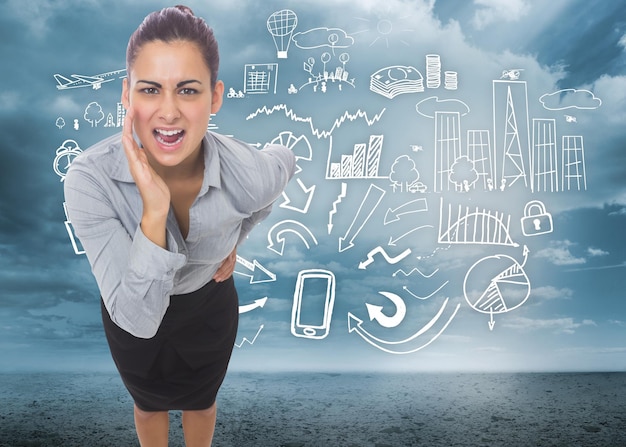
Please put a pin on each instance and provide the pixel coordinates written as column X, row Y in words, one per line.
column 227, row 268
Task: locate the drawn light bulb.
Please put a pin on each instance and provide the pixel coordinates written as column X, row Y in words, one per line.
column 281, row 25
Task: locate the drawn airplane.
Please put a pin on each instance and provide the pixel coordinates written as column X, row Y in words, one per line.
column 94, row 82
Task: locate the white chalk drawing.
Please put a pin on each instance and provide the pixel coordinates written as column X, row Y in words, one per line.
column 429, row 106
column 370, row 202
column 536, row 219
column 321, row 80
column 433, row 70
column 404, row 176
column 430, row 332
column 477, row 226
column 570, row 119
column 396, row 80
column 375, row 312
column 313, row 302
column 430, row 295
column 332, row 212
column 250, row 342
column 411, row 207
column 380, row 250
column 235, row 94
column 76, row 245
column 384, row 30
column 511, row 129
column 255, row 271
column 93, row 114
column 304, row 196
column 497, row 284
column 65, row 155
column 257, row 304
column 60, row 123
column 393, row 241
column 289, row 113
column 281, row 25
column 512, row 74
column 299, row 145
column 362, row 163
column 570, row 98
column 414, row 270
column 93, row 81
column 573, row 163
column 260, row 78
column 322, row 37
column 479, row 152
column 543, row 161
column 109, row 121
column 276, row 238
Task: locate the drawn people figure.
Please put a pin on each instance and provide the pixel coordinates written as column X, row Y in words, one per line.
column 160, row 209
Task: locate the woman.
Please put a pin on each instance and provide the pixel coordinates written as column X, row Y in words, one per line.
column 160, row 210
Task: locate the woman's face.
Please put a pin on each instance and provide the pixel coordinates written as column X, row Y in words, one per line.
column 169, row 88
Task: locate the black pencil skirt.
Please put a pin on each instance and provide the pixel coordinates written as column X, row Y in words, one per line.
column 183, row 366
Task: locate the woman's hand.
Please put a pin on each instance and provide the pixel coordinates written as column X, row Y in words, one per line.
column 227, row 267
column 155, row 194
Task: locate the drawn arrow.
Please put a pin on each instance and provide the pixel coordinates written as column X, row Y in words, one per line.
column 251, row 342
column 392, row 241
column 492, row 322
column 340, row 197
column 278, row 230
column 376, row 312
column 371, row 200
column 249, row 307
column 355, row 325
column 259, row 273
column 370, row 257
column 306, row 196
column 414, row 206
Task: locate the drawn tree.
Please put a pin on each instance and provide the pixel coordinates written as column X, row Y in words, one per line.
column 463, row 174
column 93, row 114
column 403, row 173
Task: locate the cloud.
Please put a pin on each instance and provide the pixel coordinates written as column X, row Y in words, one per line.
column 558, row 253
column 550, row 293
column 427, row 107
column 491, row 11
column 557, row 325
column 596, row 252
column 323, row 37
column 622, row 42
column 570, row 98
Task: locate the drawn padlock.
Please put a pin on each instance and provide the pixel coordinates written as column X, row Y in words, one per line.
column 536, row 219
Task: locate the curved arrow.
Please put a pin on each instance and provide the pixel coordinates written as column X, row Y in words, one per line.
column 378, row 342
column 280, row 240
column 258, row 272
column 248, row 307
column 414, row 206
column 376, row 312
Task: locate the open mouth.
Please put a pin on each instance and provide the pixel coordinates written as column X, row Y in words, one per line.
column 169, row 137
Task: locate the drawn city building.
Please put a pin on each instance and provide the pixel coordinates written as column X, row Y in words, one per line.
column 511, row 134
column 543, row 159
column 447, row 148
column 364, row 162
column 573, row 163
column 479, row 151
column 121, row 114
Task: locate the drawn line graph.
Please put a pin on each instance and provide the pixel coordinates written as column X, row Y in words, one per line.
column 289, row 113
column 251, row 342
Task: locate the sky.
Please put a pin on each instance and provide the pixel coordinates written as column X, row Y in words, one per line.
column 401, row 244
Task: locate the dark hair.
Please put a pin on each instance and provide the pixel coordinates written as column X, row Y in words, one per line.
column 176, row 23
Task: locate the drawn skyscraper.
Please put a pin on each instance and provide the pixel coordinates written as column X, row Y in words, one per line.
column 543, row 160
column 511, row 135
column 573, row 169
column 447, row 148
column 479, row 151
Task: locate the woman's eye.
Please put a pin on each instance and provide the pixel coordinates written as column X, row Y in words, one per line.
column 150, row 90
column 188, row 91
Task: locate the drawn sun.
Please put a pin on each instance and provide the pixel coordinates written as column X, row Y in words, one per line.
column 383, row 28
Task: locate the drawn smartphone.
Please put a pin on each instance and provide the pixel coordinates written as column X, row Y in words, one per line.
column 313, row 302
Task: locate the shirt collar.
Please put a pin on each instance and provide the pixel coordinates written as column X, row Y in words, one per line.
column 121, row 172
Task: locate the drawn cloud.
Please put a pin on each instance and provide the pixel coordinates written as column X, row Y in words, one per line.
column 570, row 99
column 323, row 37
column 427, row 107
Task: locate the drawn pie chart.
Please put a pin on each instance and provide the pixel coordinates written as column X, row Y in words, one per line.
column 496, row 284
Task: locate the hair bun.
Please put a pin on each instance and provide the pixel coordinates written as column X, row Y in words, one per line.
column 185, row 9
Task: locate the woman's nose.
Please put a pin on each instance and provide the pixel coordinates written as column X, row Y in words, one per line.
column 169, row 110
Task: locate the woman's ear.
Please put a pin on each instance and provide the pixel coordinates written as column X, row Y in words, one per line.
column 217, row 97
column 125, row 94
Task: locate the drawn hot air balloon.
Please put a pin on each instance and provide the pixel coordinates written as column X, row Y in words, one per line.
column 281, row 25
